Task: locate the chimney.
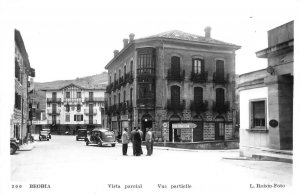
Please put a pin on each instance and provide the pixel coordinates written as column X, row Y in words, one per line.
column 116, row 52
column 207, row 31
column 125, row 42
column 131, row 37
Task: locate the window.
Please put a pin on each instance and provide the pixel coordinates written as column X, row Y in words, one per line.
column 78, row 107
column 175, row 95
column 67, row 94
column 198, row 66
column 258, row 114
column 175, row 65
column 109, row 79
column 219, row 128
column 124, row 96
column 220, row 70
column 67, row 118
column 78, row 117
column 131, row 66
column 78, row 94
column 120, row 73
column 124, row 70
column 131, row 94
column 68, row 108
column 119, row 97
column 220, row 96
column 18, row 101
column 198, row 95
column 17, row 70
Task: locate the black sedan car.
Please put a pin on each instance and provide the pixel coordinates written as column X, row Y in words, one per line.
column 81, row 134
column 100, row 137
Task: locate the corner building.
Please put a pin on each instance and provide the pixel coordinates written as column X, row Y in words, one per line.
column 173, row 77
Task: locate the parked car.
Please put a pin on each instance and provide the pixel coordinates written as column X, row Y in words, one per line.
column 81, row 134
column 44, row 135
column 100, row 137
column 14, row 145
column 49, row 132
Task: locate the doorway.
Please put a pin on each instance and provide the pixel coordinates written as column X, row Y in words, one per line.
column 146, row 123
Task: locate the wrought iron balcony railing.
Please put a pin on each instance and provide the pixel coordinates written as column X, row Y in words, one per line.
column 221, row 79
column 221, row 107
column 90, row 111
column 73, row 100
column 176, row 75
column 199, row 78
column 54, row 100
column 172, row 106
column 129, row 77
column 199, row 107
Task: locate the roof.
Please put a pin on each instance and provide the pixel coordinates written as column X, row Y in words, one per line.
column 180, row 35
column 20, row 44
column 82, row 85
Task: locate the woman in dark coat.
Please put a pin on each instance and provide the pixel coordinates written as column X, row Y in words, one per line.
column 138, row 143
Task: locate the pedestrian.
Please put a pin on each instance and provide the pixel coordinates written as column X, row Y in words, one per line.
column 148, row 141
column 125, row 141
column 152, row 141
column 133, row 132
column 138, row 143
column 141, row 134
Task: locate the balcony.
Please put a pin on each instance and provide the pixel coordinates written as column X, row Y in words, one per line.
column 53, row 100
column 73, row 100
column 176, row 106
column 129, row 78
column 221, row 107
column 90, row 122
column 176, row 76
column 199, row 78
column 198, row 107
column 53, row 122
column 90, row 111
column 94, row 99
column 146, row 75
column 146, row 101
column 220, row 79
column 109, row 88
column 53, row 111
column 122, row 82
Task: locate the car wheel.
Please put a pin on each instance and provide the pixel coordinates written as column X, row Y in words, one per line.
column 113, row 145
column 100, row 144
column 87, row 143
column 47, row 139
column 13, row 149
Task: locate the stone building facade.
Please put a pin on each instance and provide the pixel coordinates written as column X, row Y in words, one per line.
column 74, row 106
column 173, row 77
column 20, row 117
column 266, row 97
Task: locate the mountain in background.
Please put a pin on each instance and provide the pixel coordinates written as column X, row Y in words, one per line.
column 83, row 81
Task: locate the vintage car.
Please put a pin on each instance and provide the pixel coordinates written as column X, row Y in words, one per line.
column 100, row 137
column 81, row 134
column 49, row 132
column 44, row 135
column 14, row 145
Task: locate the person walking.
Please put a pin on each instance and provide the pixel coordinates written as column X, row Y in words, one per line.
column 148, row 139
column 125, row 141
column 133, row 132
column 138, row 143
column 141, row 134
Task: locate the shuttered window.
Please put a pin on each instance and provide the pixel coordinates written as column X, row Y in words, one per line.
column 198, row 66
column 67, row 118
column 220, row 96
column 175, row 95
column 175, row 65
column 198, row 95
column 220, row 70
column 258, row 114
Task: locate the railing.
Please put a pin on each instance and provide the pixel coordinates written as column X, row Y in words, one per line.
column 54, row 100
column 176, row 106
column 109, row 88
column 90, row 122
column 148, row 100
column 94, row 99
column 73, row 100
column 90, row 111
column 53, row 122
column 176, row 76
column 121, row 81
column 129, row 77
column 221, row 79
column 221, row 107
column 53, row 111
column 199, row 107
column 199, row 78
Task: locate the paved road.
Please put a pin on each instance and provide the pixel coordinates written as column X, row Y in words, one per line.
column 64, row 160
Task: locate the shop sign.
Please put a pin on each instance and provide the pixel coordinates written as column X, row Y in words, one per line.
column 183, row 125
column 115, row 118
column 124, row 117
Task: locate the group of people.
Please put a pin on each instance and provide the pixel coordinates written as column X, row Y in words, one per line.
column 136, row 136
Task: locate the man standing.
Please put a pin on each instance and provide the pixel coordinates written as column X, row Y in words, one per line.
column 125, row 141
column 148, row 141
column 141, row 134
column 152, row 141
column 133, row 132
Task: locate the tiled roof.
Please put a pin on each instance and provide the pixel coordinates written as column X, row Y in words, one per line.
column 83, row 85
column 180, row 35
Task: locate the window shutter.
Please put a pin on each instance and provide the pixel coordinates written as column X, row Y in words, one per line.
column 74, row 117
column 202, row 66
column 81, row 117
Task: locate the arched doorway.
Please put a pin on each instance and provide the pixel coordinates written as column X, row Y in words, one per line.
column 146, row 123
column 219, row 128
column 174, row 119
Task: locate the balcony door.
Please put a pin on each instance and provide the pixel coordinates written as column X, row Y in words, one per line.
column 175, row 66
column 91, row 106
column 220, row 128
column 220, row 96
column 198, row 95
column 91, row 96
column 175, row 95
column 54, row 95
column 220, row 70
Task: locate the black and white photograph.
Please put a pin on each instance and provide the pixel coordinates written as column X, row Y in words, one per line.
column 140, row 96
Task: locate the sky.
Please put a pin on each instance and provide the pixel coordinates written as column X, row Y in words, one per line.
column 66, row 39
